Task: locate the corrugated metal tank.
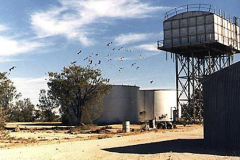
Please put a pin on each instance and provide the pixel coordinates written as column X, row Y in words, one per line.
column 158, row 105
column 120, row 105
column 195, row 27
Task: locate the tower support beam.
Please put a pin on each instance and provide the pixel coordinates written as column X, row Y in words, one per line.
column 189, row 70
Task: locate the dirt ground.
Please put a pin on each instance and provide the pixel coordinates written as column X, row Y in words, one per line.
column 107, row 142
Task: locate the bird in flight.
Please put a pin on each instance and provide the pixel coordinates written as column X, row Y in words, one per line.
column 133, row 64
column 109, row 43
column 120, row 48
column 90, row 61
column 99, row 62
column 73, row 62
column 120, row 70
column 137, row 68
column 79, row 52
column 10, row 69
column 120, row 59
column 151, row 81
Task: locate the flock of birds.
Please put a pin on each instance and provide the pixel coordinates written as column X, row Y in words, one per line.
column 92, row 56
column 90, row 61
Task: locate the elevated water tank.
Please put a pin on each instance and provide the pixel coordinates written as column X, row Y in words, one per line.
column 197, row 28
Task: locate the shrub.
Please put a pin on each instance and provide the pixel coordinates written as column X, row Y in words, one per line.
column 3, row 132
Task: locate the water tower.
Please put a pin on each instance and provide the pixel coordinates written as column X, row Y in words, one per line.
column 202, row 41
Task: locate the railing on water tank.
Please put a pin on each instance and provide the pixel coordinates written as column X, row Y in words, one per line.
column 199, row 7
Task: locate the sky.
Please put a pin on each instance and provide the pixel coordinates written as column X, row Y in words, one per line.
column 41, row 36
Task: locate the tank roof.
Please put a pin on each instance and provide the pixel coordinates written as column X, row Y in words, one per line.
column 124, row 85
column 204, row 8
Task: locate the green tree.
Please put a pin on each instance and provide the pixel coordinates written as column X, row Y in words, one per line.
column 47, row 104
column 80, row 92
column 22, row 111
column 8, row 91
column 37, row 115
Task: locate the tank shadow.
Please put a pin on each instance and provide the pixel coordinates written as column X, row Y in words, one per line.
column 179, row 145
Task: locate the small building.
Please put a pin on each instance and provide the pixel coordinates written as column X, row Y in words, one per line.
column 221, row 105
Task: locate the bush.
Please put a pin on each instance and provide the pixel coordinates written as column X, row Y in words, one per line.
column 3, row 132
column 2, row 119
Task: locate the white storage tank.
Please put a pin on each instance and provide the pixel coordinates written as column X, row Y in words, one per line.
column 159, row 105
column 120, row 105
column 165, row 105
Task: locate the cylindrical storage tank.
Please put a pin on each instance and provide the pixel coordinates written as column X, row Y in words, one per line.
column 146, row 105
column 120, row 105
column 165, row 102
column 126, row 126
column 158, row 105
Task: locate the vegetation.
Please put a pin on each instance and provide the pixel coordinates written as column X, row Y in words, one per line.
column 22, row 111
column 7, row 91
column 80, row 92
column 2, row 119
column 7, row 94
column 47, row 104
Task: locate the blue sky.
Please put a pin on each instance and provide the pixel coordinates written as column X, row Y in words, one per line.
column 38, row 36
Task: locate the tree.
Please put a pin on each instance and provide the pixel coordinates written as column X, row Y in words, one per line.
column 47, row 104
column 80, row 92
column 8, row 91
column 22, row 111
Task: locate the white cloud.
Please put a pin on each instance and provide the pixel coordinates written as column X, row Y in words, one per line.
column 73, row 18
column 3, row 28
column 13, row 47
column 148, row 47
column 30, row 87
column 130, row 38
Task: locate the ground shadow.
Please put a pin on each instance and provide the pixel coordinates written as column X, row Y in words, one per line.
column 180, row 146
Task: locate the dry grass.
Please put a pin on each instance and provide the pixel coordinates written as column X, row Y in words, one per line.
column 32, row 136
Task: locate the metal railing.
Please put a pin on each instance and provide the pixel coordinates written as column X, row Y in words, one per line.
column 190, row 7
column 200, row 7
